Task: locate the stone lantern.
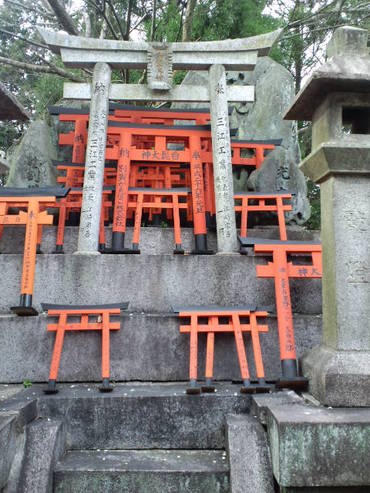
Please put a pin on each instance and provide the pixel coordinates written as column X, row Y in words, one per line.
column 337, row 101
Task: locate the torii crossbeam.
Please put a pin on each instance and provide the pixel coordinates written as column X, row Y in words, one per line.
column 160, row 59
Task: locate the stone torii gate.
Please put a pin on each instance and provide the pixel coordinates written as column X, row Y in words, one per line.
column 160, row 59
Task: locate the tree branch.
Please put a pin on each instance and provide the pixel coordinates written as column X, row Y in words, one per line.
column 101, row 12
column 116, row 18
column 39, row 45
column 52, row 69
column 64, row 19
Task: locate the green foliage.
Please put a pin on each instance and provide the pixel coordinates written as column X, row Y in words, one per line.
column 27, row 384
column 314, row 197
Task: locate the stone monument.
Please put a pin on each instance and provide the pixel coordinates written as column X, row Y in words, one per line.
column 337, row 101
column 160, row 60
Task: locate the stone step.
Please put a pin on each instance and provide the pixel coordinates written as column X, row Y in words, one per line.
column 142, row 416
column 8, row 424
column 153, row 240
column 152, row 283
column 44, row 446
column 143, row 471
column 148, row 347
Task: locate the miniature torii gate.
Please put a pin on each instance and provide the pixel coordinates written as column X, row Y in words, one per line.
column 160, row 59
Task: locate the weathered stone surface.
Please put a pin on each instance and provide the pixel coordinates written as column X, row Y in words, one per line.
column 153, row 283
column 222, row 170
column 249, row 456
column 143, row 416
column 260, row 403
column 279, row 172
column 147, row 347
column 44, row 446
column 153, row 240
column 263, row 119
column 338, row 378
column 31, row 161
column 88, row 238
column 313, row 446
column 82, row 52
column 24, row 409
column 348, row 40
column 7, row 391
column 147, row 471
column 7, row 446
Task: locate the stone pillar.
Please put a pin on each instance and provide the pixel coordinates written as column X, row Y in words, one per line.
column 88, row 238
column 222, row 168
column 339, row 369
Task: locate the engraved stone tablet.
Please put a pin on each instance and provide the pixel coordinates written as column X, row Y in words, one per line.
column 160, row 66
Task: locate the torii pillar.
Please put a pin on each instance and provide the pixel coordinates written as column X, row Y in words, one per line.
column 160, row 60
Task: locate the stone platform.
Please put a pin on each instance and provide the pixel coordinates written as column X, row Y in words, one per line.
column 148, row 347
column 153, row 240
column 152, row 283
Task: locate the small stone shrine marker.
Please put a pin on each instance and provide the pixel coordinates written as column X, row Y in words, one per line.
column 337, row 101
column 160, row 60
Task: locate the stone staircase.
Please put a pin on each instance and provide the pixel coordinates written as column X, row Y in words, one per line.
column 142, row 437
column 147, row 438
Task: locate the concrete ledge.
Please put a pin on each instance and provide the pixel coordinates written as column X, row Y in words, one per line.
column 146, row 348
column 143, row 416
column 261, row 403
column 317, row 447
column 151, row 283
column 44, row 446
column 7, row 446
column 249, row 456
column 338, row 378
column 153, row 240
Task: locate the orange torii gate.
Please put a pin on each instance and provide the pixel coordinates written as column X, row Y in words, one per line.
column 29, row 202
column 281, row 269
column 263, row 202
column 102, row 315
column 125, row 151
column 154, row 200
column 212, row 320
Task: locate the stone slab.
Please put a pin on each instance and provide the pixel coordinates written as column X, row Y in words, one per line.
column 317, row 447
column 260, row 403
column 44, row 446
column 153, row 240
column 338, row 378
column 23, row 408
column 139, row 92
column 142, row 416
column 7, row 391
column 249, row 456
column 7, row 446
column 147, row 471
column 148, row 347
column 152, row 283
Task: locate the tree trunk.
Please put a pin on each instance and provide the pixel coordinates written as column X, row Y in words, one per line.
column 188, row 21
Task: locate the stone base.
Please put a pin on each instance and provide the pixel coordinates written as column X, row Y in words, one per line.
column 314, row 448
column 338, row 378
